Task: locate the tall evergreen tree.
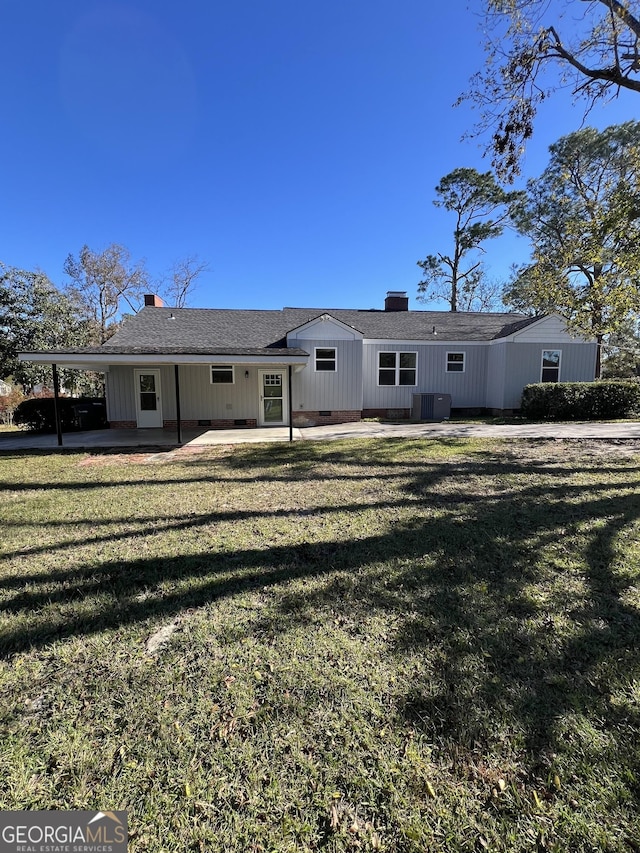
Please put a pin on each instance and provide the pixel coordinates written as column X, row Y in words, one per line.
column 481, row 209
column 582, row 217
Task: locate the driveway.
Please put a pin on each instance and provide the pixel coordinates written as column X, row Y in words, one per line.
column 453, row 429
column 151, row 438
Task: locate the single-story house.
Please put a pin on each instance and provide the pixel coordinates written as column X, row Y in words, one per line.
column 200, row 367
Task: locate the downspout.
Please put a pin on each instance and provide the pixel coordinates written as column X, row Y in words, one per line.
column 290, row 406
column 178, row 416
column 56, row 403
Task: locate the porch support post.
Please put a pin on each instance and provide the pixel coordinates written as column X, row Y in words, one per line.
column 178, row 418
column 290, row 406
column 56, row 403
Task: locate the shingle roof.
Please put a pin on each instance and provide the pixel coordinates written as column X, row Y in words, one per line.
column 190, row 330
column 126, row 349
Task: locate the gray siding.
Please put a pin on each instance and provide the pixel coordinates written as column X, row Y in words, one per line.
column 496, row 371
column 467, row 389
column 524, row 363
column 317, row 391
column 121, row 402
column 199, row 399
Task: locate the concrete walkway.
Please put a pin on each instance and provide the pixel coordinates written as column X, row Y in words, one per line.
column 157, row 438
column 453, row 429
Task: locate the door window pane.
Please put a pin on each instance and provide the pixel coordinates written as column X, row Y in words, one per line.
column 272, row 385
column 147, row 402
column 147, row 386
column 273, row 410
column 148, row 382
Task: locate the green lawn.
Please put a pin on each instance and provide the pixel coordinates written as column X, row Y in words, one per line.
column 393, row 645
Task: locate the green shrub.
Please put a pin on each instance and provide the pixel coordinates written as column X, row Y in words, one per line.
column 581, row 400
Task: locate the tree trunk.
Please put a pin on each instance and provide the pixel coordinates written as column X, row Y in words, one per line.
column 598, row 356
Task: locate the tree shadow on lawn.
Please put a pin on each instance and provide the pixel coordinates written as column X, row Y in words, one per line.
column 294, row 463
column 140, row 525
column 507, row 636
column 502, row 653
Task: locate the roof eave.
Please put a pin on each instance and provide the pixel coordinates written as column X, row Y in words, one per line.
column 101, row 362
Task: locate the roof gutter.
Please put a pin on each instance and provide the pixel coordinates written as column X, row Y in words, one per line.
column 101, row 363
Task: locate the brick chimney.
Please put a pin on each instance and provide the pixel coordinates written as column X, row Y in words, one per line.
column 152, row 301
column 397, row 300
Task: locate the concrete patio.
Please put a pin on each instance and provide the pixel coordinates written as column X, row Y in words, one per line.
column 158, row 438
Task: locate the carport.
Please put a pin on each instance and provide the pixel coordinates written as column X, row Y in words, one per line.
column 147, row 360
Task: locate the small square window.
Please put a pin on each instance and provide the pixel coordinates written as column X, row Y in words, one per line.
column 222, row 374
column 455, row 362
column 326, row 359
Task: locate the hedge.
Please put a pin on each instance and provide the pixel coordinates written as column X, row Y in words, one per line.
column 76, row 413
column 581, row 400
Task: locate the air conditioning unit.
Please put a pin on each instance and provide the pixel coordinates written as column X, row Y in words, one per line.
column 431, row 407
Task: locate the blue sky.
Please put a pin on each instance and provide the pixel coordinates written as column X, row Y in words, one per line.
column 294, row 145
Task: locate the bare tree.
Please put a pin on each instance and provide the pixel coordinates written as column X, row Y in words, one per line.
column 181, row 280
column 106, row 283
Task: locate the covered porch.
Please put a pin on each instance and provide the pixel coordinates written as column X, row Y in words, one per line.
column 175, row 396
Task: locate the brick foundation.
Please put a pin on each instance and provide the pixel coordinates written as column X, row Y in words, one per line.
column 387, row 414
column 307, row 419
column 213, row 423
column 300, row 419
column 220, row 423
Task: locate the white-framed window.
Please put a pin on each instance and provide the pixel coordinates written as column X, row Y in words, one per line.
column 397, row 368
column 550, row 369
column 455, row 362
column 222, row 374
column 325, row 359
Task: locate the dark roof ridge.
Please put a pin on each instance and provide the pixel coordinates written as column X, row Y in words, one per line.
column 189, row 308
column 516, row 315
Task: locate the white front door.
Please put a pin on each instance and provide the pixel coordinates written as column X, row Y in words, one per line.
column 148, row 398
column 274, row 402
